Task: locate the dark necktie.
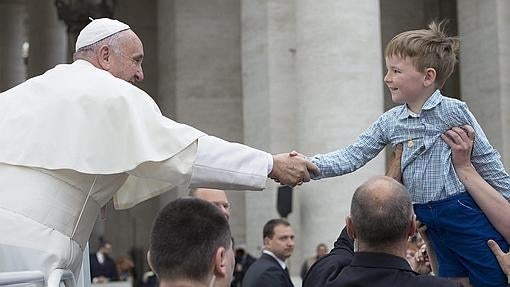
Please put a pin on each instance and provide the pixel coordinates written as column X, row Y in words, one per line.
column 286, row 271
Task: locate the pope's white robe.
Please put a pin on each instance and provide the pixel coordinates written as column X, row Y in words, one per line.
column 73, row 138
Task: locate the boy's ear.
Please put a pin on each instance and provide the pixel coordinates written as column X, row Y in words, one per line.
column 430, row 77
column 265, row 241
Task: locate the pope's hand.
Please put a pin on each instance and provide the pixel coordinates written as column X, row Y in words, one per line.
column 292, row 170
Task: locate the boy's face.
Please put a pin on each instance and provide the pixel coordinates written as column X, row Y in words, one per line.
column 406, row 84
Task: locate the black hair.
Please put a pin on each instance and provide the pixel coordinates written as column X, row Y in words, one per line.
column 184, row 237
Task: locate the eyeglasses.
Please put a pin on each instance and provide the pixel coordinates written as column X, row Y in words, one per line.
column 225, row 205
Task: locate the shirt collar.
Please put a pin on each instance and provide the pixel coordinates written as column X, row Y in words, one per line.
column 430, row 103
column 100, row 257
column 282, row 264
column 82, row 62
column 380, row 260
column 433, row 100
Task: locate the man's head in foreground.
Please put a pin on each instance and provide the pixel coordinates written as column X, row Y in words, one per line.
column 191, row 244
column 381, row 215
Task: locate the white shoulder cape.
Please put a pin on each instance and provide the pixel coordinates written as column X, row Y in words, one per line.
column 78, row 117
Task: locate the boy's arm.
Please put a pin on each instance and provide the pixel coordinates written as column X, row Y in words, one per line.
column 485, row 158
column 354, row 156
column 492, row 203
column 395, row 167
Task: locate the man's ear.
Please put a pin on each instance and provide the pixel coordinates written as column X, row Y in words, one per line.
column 104, row 57
column 265, row 241
column 430, row 77
column 351, row 230
column 412, row 226
column 221, row 262
column 149, row 260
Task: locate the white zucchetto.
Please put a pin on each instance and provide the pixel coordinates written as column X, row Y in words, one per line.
column 97, row 30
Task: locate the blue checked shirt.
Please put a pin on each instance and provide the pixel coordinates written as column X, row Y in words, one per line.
column 427, row 169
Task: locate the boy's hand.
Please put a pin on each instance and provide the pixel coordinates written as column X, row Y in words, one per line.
column 292, row 170
column 394, row 167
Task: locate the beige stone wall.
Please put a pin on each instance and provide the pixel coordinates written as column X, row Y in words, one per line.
column 48, row 37
column 485, row 30
column 340, row 93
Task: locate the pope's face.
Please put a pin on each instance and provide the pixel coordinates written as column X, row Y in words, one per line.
column 127, row 58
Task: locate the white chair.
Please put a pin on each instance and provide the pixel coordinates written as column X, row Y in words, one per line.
column 61, row 277
column 22, row 278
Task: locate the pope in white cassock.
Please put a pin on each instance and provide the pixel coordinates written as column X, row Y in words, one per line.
column 82, row 133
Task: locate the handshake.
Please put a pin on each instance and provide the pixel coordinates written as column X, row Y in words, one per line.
column 292, row 169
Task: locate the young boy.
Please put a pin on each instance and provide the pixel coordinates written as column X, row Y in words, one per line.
column 419, row 63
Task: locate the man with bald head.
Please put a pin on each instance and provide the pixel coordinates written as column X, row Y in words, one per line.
column 217, row 197
column 371, row 249
column 82, row 133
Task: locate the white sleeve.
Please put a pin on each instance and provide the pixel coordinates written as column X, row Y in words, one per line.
column 151, row 178
column 214, row 164
column 224, row 165
column 175, row 170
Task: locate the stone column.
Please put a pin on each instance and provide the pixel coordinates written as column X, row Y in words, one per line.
column 166, row 58
column 47, row 37
column 269, row 100
column 141, row 16
column 129, row 229
column 12, row 31
column 199, row 68
column 484, row 28
column 340, row 93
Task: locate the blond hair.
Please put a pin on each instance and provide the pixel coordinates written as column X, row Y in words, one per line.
column 427, row 48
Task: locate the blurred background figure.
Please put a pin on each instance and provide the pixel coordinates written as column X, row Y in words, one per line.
column 417, row 256
column 102, row 266
column 243, row 261
column 125, row 267
column 270, row 269
column 150, row 279
column 320, row 251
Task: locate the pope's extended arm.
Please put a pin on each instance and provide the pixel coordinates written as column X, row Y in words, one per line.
column 492, row 203
column 214, row 163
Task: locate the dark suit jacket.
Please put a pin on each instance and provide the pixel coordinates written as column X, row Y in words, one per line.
column 266, row 272
column 107, row 269
column 342, row 267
